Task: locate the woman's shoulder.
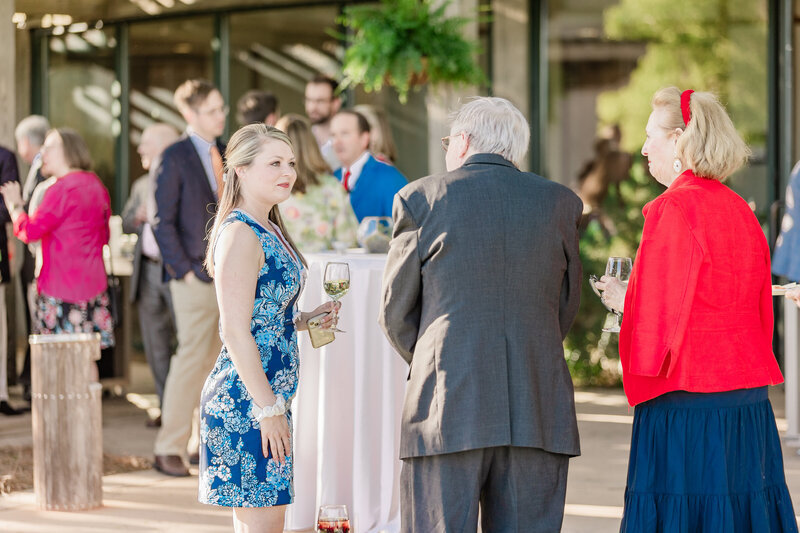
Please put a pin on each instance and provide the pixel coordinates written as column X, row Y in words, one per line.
column 80, row 177
column 233, row 226
column 328, row 181
column 84, row 181
column 665, row 203
column 235, row 234
column 243, row 222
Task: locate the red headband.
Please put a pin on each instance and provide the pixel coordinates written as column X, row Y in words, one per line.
column 686, row 111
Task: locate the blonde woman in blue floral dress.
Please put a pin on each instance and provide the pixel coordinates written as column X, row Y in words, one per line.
column 246, row 448
column 318, row 214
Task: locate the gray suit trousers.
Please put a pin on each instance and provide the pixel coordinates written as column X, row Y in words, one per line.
column 518, row 490
column 157, row 322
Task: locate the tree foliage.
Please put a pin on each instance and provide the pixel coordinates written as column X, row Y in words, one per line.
column 705, row 45
column 708, row 45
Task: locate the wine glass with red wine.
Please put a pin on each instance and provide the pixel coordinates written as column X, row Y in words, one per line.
column 333, row 519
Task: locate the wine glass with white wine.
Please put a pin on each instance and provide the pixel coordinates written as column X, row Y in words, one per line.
column 620, row 268
column 336, row 283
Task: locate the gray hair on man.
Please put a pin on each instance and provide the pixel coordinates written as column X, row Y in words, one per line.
column 34, row 128
column 495, row 126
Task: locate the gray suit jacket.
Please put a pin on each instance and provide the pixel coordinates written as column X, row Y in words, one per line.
column 139, row 192
column 481, row 285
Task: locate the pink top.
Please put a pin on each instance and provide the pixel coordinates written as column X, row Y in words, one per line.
column 72, row 223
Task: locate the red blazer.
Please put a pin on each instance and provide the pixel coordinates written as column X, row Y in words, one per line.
column 72, row 223
column 698, row 309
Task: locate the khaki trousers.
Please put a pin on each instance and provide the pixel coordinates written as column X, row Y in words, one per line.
column 197, row 325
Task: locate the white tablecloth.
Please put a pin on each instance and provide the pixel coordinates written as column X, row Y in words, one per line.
column 347, row 409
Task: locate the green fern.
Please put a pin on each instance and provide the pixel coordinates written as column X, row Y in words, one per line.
column 402, row 41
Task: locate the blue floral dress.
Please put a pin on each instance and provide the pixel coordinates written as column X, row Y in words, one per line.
column 233, row 469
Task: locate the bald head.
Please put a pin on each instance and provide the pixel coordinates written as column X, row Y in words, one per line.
column 154, row 139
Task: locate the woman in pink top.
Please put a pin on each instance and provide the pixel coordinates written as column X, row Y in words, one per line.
column 72, row 225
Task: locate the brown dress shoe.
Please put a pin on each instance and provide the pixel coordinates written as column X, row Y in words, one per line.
column 171, row 465
column 194, row 458
column 153, row 422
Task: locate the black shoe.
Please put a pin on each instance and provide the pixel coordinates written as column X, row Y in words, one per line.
column 26, row 392
column 171, row 465
column 6, row 409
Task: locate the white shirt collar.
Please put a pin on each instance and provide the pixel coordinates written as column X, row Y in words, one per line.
column 355, row 169
column 198, row 140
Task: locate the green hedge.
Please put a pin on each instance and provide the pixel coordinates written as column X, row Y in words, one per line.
column 592, row 355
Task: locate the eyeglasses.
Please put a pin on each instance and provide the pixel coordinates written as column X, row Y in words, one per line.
column 224, row 110
column 446, row 140
column 319, row 101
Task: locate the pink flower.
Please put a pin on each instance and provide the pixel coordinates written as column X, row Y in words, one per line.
column 50, row 318
column 323, row 228
column 293, row 212
column 102, row 318
column 74, row 317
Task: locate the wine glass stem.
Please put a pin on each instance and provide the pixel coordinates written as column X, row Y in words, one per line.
column 335, row 328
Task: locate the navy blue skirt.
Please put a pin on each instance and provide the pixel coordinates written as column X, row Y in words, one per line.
column 707, row 463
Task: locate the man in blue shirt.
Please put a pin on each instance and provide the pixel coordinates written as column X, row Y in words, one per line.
column 371, row 183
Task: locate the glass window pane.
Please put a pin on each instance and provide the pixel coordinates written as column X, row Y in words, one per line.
column 606, row 60
column 82, row 93
column 164, row 54
column 608, row 57
column 278, row 51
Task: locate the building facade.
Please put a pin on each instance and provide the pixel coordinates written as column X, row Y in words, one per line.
column 108, row 68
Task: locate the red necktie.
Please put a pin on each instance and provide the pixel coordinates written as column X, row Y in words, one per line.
column 346, row 180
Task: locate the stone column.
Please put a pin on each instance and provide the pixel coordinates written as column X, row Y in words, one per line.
column 511, row 54
column 443, row 100
column 8, row 110
column 8, row 101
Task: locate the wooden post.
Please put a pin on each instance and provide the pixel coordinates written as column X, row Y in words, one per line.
column 67, row 426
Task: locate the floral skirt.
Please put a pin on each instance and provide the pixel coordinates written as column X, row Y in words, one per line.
column 93, row 316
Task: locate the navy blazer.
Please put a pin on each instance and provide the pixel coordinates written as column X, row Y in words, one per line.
column 375, row 188
column 185, row 207
column 8, row 172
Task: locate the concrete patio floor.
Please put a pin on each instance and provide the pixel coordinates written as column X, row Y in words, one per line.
column 150, row 502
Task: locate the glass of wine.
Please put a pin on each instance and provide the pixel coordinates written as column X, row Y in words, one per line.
column 336, row 282
column 620, row 268
column 333, row 519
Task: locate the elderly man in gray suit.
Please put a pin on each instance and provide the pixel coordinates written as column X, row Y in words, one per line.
column 481, row 285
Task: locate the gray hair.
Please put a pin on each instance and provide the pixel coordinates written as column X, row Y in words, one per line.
column 34, row 127
column 494, row 126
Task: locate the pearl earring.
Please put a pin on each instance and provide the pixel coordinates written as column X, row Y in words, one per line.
column 676, row 165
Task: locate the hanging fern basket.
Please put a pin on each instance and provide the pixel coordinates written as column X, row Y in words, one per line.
column 405, row 44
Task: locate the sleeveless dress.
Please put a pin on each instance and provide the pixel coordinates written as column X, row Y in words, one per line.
column 233, row 469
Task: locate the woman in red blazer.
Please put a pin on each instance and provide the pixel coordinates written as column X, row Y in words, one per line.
column 72, row 224
column 696, row 339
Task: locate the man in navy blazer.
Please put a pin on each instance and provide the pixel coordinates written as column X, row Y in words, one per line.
column 371, row 183
column 8, row 172
column 188, row 181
